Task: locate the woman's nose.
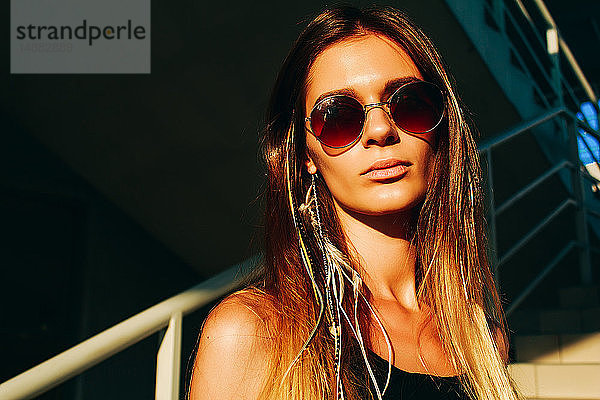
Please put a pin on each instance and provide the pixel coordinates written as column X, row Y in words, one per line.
column 379, row 129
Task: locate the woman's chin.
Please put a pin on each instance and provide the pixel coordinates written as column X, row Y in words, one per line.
column 384, row 207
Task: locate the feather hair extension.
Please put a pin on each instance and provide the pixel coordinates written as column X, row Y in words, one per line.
column 336, row 270
column 303, row 252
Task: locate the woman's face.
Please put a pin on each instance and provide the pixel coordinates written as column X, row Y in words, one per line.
column 386, row 171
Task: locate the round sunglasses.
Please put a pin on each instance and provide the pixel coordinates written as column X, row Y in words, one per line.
column 338, row 121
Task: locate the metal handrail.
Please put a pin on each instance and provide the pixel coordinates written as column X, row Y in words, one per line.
column 541, row 179
column 540, row 40
column 531, row 234
column 530, row 48
column 578, row 72
column 540, row 277
column 566, row 51
column 520, row 128
column 522, row 63
column 487, row 147
column 576, row 101
column 85, row 355
column 562, row 45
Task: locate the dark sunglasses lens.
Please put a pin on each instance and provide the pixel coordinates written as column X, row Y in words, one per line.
column 337, row 121
column 418, row 107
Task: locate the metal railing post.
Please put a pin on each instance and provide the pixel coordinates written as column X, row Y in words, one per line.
column 492, row 217
column 168, row 361
column 552, row 46
column 585, row 267
column 567, row 52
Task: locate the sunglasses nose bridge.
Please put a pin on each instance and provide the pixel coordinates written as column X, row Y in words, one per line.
column 369, row 107
column 381, row 130
column 384, row 105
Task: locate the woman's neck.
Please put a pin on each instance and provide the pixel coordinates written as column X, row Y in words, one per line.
column 382, row 244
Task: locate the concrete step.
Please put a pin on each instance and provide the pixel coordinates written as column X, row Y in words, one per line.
column 558, row 349
column 555, row 321
column 579, row 296
column 557, row 381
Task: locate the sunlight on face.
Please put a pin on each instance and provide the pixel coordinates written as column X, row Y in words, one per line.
column 386, row 171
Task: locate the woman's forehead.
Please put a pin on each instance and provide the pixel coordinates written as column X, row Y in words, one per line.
column 363, row 64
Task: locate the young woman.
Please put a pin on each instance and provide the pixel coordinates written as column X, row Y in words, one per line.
column 375, row 281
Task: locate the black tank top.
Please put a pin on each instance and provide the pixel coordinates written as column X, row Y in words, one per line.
column 409, row 385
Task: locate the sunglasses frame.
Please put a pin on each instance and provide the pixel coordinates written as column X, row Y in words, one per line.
column 370, row 106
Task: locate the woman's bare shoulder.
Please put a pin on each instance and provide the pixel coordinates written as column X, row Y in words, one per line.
column 246, row 312
column 233, row 348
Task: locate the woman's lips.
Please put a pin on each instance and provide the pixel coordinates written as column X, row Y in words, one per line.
column 396, row 171
column 383, row 170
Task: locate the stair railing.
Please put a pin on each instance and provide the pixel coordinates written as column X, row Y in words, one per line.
column 577, row 174
column 549, row 45
column 565, row 49
column 545, row 50
column 90, row 352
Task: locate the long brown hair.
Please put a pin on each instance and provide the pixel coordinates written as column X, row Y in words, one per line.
column 452, row 270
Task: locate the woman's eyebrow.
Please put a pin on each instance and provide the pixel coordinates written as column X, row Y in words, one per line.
column 393, row 84
column 389, row 88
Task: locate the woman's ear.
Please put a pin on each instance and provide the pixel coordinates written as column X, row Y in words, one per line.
column 310, row 165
